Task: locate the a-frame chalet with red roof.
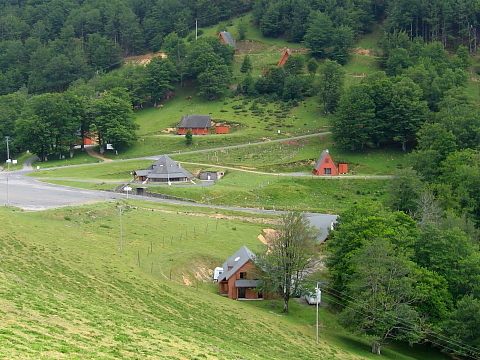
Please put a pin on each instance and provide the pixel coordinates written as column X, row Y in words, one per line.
column 286, row 54
column 325, row 165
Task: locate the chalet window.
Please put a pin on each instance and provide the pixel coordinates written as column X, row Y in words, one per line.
column 241, row 293
column 327, row 171
column 243, row 275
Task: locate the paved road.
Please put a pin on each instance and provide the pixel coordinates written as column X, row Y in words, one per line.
column 30, row 194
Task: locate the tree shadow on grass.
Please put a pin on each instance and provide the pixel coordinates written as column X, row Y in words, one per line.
column 391, row 350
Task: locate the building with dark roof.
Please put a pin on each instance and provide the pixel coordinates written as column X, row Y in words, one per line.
column 163, row 170
column 197, row 124
column 237, row 279
column 226, row 38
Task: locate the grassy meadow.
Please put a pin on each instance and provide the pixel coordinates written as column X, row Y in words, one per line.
column 132, row 279
column 72, row 287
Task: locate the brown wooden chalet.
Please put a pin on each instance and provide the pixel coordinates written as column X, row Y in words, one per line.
column 237, row 281
column 325, row 165
column 285, row 55
column 197, row 124
column 226, row 38
column 163, row 170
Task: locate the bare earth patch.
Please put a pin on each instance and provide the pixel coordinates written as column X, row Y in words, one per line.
column 268, row 233
column 214, row 216
column 362, row 51
column 143, row 59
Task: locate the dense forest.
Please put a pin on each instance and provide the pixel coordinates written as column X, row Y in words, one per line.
column 60, row 78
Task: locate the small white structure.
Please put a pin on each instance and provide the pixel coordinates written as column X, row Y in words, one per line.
column 314, row 298
column 217, row 272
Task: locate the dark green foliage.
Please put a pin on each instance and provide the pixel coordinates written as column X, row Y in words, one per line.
column 312, row 66
column 102, row 53
column 358, row 226
column 342, row 40
column 289, row 253
column 446, row 22
column 271, row 24
column 464, row 328
column 382, row 286
column 246, row 65
column 272, row 81
column 247, row 86
column 319, row 32
column 354, row 122
column 49, row 124
column 160, row 76
column 330, row 85
column 295, row 64
column 399, row 280
column 404, row 190
column 213, row 82
column 188, row 137
column 113, row 120
column 242, row 27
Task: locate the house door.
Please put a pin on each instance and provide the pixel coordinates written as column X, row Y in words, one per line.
column 241, row 293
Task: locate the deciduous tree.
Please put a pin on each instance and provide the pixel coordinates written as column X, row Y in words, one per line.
column 113, row 121
column 382, row 286
column 330, row 85
column 289, row 254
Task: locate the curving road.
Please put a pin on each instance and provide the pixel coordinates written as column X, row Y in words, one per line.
column 28, row 193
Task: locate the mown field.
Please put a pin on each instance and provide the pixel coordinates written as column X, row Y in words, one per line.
column 72, row 288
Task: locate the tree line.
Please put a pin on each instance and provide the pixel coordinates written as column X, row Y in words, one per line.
column 47, row 45
column 54, row 123
column 408, row 277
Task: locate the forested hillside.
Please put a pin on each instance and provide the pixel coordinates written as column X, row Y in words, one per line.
column 407, row 269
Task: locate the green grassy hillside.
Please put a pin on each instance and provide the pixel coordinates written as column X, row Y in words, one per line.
column 68, row 292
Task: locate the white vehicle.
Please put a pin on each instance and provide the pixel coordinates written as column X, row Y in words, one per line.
column 312, row 299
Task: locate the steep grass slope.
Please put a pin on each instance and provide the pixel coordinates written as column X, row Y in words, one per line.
column 68, row 292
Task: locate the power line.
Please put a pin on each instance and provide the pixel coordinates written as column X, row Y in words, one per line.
column 411, row 325
column 452, row 342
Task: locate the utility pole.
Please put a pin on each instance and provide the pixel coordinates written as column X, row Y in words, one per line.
column 8, row 167
column 8, row 149
column 196, row 29
column 318, row 298
column 121, row 229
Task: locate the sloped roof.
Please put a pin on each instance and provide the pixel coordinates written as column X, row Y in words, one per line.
column 195, row 121
column 285, row 55
column 236, row 261
column 164, row 167
column 227, row 37
column 320, row 159
column 323, row 222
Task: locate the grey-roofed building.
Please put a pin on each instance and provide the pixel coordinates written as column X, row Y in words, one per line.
column 197, row 124
column 323, row 222
column 163, row 170
column 226, row 38
column 325, row 165
column 238, row 280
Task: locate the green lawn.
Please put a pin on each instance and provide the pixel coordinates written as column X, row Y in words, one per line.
column 68, row 291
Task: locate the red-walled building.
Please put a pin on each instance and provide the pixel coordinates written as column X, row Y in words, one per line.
column 226, row 38
column 222, row 129
column 238, row 278
column 197, row 124
column 325, row 165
